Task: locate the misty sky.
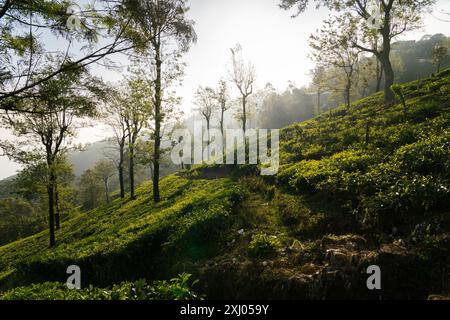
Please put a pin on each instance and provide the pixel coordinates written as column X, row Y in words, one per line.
column 275, row 43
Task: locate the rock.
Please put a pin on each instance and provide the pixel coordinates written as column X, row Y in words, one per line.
column 309, row 268
column 356, row 240
column 350, row 245
column 438, row 297
column 399, row 242
column 338, row 258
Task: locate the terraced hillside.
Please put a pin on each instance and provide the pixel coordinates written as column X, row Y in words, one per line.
column 356, row 187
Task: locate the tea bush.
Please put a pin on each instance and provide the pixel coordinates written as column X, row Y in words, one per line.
column 263, row 245
column 179, row 288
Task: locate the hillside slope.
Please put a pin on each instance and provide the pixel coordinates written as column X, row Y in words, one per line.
column 357, row 187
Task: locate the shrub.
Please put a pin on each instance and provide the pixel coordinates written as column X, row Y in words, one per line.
column 263, row 245
column 178, row 288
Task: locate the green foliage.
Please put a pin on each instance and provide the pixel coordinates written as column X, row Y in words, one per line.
column 18, row 218
column 400, row 177
column 179, row 288
column 263, row 245
column 111, row 238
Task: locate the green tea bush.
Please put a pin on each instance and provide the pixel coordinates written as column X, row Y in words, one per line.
column 263, row 245
column 429, row 155
column 326, row 175
column 179, row 288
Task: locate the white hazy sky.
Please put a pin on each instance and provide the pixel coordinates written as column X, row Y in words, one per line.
column 276, row 44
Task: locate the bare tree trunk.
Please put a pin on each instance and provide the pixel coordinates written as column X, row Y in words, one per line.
column 208, row 137
column 157, row 151
column 131, row 167
column 385, row 60
column 223, row 138
column 244, row 113
column 379, row 76
column 347, row 94
column 121, row 182
column 51, row 201
column 57, row 215
column 389, row 78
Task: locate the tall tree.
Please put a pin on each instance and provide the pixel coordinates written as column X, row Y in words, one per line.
column 57, row 103
column 440, row 51
column 206, row 100
column 115, row 115
column 222, row 99
column 90, row 189
column 243, row 75
column 362, row 22
column 332, row 49
column 160, row 29
column 104, row 170
column 137, row 114
column 319, row 82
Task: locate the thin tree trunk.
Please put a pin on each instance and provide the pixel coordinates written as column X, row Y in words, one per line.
column 57, row 215
column 51, row 202
column 208, row 137
column 157, row 152
column 121, row 182
column 223, row 138
column 131, row 168
column 347, row 95
column 105, row 181
column 244, row 113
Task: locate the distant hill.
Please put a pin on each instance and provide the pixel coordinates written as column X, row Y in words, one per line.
column 91, row 154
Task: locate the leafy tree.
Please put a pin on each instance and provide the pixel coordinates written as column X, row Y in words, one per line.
column 90, row 189
column 161, row 30
column 104, row 170
column 18, row 219
column 439, row 54
column 58, row 103
column 206, row 100
column 332, row 49
column 319, row 84
column 115, row 115
column 25, row 29
column 222, row 96
column 138, row 112
column 359, row 24
column 243, row 75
